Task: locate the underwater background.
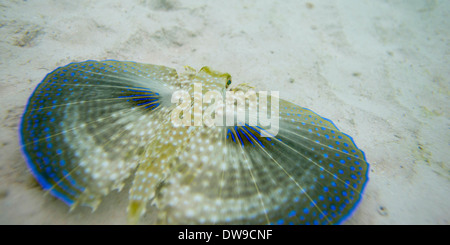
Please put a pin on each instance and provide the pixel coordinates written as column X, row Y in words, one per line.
column 378, row 69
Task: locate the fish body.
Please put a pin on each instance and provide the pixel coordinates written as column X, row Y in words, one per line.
column 91, row 125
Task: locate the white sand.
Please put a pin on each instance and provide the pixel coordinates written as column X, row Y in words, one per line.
column 378, row 69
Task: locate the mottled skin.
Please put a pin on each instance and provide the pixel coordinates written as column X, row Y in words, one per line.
column 88, row 126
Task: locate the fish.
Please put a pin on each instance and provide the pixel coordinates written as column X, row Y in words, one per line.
column 91, row 126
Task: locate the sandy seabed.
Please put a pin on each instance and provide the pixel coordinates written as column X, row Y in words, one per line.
column 378, row 69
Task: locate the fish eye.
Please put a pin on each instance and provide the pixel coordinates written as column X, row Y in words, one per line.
column 228, row 82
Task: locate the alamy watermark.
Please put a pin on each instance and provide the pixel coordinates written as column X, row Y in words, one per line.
column 236, row 109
